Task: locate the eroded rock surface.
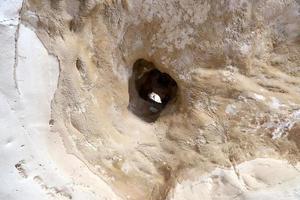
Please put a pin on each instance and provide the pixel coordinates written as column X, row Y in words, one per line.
column 236, row 64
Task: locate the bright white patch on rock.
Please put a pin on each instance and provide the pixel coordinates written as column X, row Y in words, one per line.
column 231, row 109
column 34, row 78
column 286, row 125
column 155, row 97
column 9, row 11
column 245, row 49
column 259, row 97
column 275, row 104
column 262, row 178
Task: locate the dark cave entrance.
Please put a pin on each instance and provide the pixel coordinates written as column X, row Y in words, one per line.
column 150, row 90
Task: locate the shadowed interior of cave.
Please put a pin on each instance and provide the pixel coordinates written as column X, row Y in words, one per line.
column 150, row 90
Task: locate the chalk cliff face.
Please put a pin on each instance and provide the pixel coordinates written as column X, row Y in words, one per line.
column 234, row 119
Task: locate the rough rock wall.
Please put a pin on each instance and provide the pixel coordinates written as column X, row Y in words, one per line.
column 236, row 64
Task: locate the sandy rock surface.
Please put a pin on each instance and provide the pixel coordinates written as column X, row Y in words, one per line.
column 232, row 132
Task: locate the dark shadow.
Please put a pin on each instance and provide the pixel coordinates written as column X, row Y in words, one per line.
column 149, row 90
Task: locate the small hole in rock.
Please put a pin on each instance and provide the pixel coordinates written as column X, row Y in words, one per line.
column 150, row 90
column 80, row 67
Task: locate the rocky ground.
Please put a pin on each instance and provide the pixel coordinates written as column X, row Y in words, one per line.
column 232, row 131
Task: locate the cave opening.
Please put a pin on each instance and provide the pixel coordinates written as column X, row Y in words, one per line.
column 150, row 90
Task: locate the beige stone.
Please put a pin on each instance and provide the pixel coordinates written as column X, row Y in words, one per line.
column 236, row 63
